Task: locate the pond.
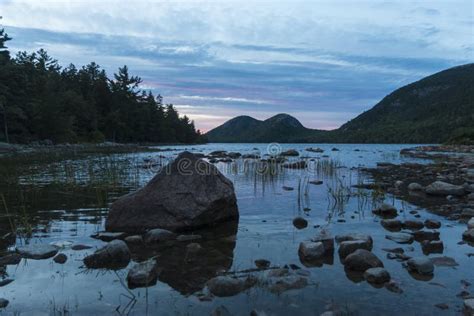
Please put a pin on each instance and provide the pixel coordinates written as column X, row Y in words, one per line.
column 64, row 200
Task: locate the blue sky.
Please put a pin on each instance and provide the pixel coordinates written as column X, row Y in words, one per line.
column 323, row 62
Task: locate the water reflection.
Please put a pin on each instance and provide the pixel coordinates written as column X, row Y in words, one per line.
column 187, row 266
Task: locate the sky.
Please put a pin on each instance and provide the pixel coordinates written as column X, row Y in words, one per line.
column 324, row 62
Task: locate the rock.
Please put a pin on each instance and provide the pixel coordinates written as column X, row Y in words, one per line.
column 468, row 235
column 470, row 223
column 193, row 247
column 392, row 286
column 432, row 224
column 316, row 182
column 158, row 235
column 290, row 152
column 442, row 306
column 470, row 196
column 432, row 246
column 134, row 239
column 315, row 150
column 354, row 236
column 415, row 187
column 187, row 238
column 186, row 194
column 295, row 165
column 391, row 224
column 334, row 149
column 326, row 238
column 361, row 260
column 377, row 275
column 349, row 246
column 37, row 251
column 386, row 210
column 109, row 236
column 221, row 311
column 276, row 273
column 286, row 188
column 60, row 258
column 468, row 306
column 10, row 259
column 300, row 222
column 421, row 235
column 5, row 282
column 467, row 212
column 420, row 265
column 114, row 255
column 444, row 188
column 400, row 238
column 78, row 247
column 262, row 263
column 311, row 250
column 3, row 303
column 143, row 274
column 444, row 261
column 224, row 286
column 413, row 225
column 290, row 282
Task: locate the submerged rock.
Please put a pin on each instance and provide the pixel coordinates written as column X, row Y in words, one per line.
column 420, row 265
column 114, row 255
column 444, row 261
column 400, row 238
column 224, row 286
column 377, row 275
column 221, row 311
column 286, row 283
column 444, row 188
column 262, row 263
column 186, row 194
column 37, row 251
column 143, row 274
column 60, row 258
column 432, row 246
column 432, row 224
column 361, row 260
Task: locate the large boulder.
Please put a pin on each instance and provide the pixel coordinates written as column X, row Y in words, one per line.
column 443, row 188
column 186, row 194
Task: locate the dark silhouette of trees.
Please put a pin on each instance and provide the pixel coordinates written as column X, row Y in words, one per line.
column 41, row 100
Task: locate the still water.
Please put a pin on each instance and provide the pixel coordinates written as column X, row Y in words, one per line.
column 65, row 202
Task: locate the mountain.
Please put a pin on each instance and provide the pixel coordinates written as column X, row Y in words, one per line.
column 245, row 129
column 435, row 109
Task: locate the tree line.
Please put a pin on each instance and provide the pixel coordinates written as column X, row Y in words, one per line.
column 40, row 100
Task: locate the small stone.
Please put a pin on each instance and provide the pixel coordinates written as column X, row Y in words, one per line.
column 354, row 236
column 421, row 235
column 286, row 188
column 391, row 224
column 361, row 260
column 300, row 222
column 134, row 239
column 143, row 274
column 432, row 246
column 158, row 235
column 262, row 263
column 415, row 187
column 290, row 282
column 109, row 236
column 3, row 303
column 432, row 224
column 420, row 265
column 224, row 286
column 60, row 258
column 386, row 210
column 413, row 225
column 349, row 246
column 311, row 250
column 468, row 235
column 469, row 305
column 78, row 247
column 442, row 306
column 392, row 286
column 114, row 255
column 376, row 275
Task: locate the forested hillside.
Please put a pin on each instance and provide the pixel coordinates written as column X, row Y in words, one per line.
column 40, row 100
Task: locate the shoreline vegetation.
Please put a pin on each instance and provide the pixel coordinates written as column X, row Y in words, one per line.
column 43, row 102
